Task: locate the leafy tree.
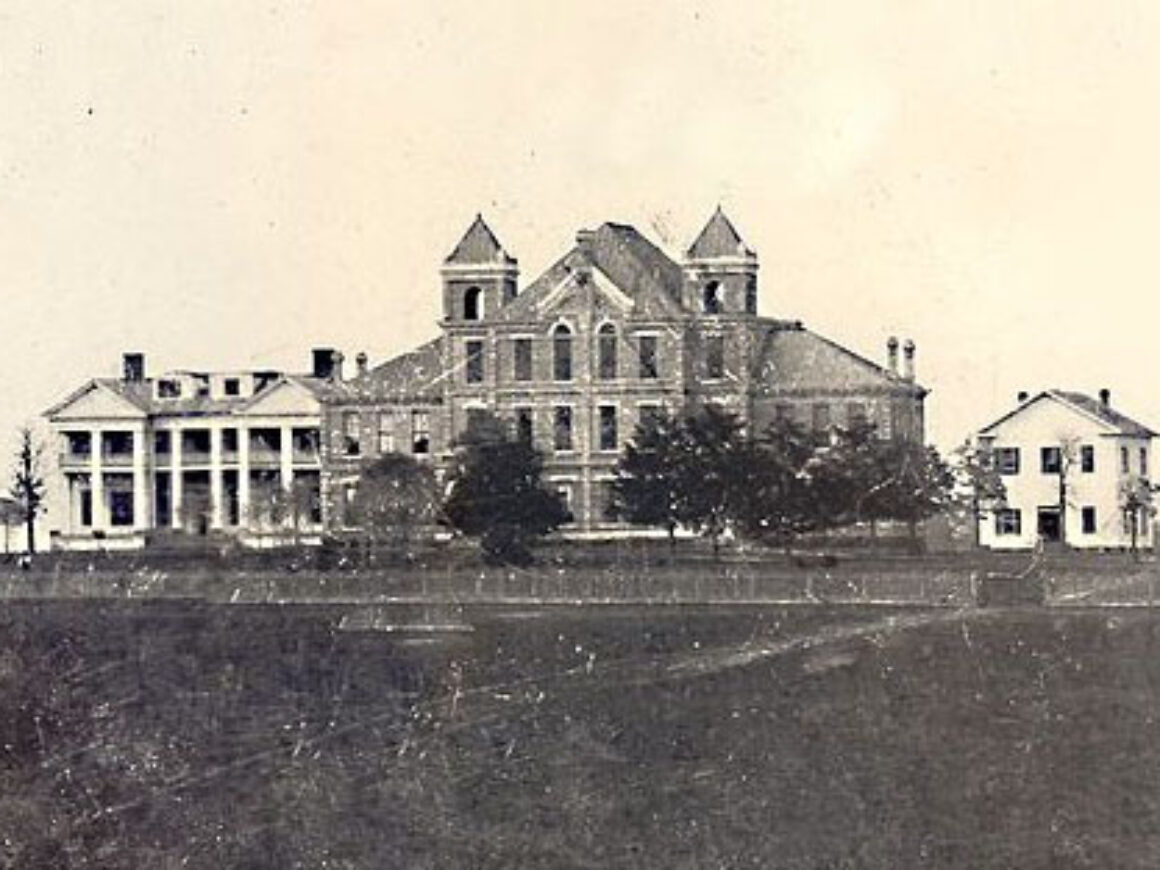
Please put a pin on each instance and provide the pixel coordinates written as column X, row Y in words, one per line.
column 396, row 497
column 497, row 494
column 647, row 488
column 28, row 487
column 714, row 467
column 978, row 485
column 848, row 478
column 916, row 483
column 778, row 499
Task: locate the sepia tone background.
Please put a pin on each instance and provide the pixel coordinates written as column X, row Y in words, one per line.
column 226, row 185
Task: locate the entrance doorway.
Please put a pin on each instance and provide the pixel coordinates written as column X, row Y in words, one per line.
column 1049, row 526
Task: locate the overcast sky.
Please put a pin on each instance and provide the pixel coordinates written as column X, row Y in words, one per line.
column 226, row 184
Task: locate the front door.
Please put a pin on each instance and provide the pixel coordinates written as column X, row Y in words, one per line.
column 1049, row 526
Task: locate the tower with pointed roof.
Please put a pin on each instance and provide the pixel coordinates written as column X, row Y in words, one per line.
column 720, row 271
column 478, row 276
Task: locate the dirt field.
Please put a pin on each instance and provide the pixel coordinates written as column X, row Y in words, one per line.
column 186, row 734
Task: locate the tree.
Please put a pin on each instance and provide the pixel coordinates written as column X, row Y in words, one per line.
column 497, row 494
column 778, row 499
column 1137, row 504
column 978, row 485
column 28, row 487
column 849, row 474
column 917, row 483
column 714, row 465
column 646, row 490
column 396, row 497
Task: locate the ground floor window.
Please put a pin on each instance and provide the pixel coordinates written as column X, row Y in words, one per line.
column 1088, row 515
column 162, row 499
column 1009, row 521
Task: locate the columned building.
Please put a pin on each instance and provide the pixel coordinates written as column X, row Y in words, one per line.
column 612, row 332
column 232, row 453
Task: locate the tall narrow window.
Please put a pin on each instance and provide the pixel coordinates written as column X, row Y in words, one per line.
column 855, row 414
column 608, row 427
column 524, row 425
column 649, row 369
column 386, row 432
column 473, row 304
column 714, row 357
column 562, row 353
column 1087, row 459
column 522, row 359
column 751, row 295
column 1088, row 516
column 1125, row 467
column 350, row 433
column 562, row 431
column 1143, row 462
column 420, row 432
column 712, row 298
column 474, row 352
column 606, row 351
column 821, row 416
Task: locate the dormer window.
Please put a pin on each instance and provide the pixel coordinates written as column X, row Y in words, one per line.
column 712, row 298
column 232, row 387
column 169, row 388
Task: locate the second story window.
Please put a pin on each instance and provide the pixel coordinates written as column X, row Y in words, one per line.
column 715, row 357
column 649, row 369
column 1050, row 460
column 350, row 433
column 820, row 417
column 474, row 352
column 1007, row 460
column 606, row 352
column 1143, row 462
column 562, row 430
column 1125, row 465
column 712, row 298
column 1087, row 459
column 522, row 359
column 608, row 437
column 473, row 304
column 420, row 432
column 386, row 432
column 562, row 353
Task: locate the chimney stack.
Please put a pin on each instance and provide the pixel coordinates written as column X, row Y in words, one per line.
column 1106, row 397
column 908, row 360
column 323, row 367
column 1022, row 396
column 336, row 365
column 892, row 354
column 133, row 367
column 361, row 362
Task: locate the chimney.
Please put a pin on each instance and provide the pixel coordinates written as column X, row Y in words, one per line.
column 133, row 367
column 892, row 354
column 908, row 360
column 336, row 365
column 1106, row 397
column 323, row 367
column 1022, row 396
column 361, row 362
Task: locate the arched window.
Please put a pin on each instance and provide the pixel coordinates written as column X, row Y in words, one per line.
column 562, row 353
column 751, row 295
column 712, row 300
column 472, row 304
column 606, row 352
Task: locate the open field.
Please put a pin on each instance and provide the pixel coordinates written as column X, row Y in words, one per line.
column 188, row 734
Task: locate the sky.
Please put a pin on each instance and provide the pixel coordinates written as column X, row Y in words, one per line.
column 227, row 184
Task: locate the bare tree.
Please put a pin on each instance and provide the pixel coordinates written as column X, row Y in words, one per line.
column 1136, row 503
column 28, row 487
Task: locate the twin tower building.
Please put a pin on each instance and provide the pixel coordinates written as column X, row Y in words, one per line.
column 613, row 331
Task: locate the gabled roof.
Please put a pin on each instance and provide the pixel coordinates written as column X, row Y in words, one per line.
column 478, row 246
column 1120, row 424
column 417, row 374
column 719, row 238
column 637, row 267
column 793, row 359
column 136, row 394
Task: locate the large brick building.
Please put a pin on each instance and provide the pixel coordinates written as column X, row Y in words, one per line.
column 611, row 331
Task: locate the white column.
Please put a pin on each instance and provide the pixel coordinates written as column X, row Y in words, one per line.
column 175, row 481
column 141, row 518
column 243, row 477
column 287, row 457
column 97, row 482
column 215, row 477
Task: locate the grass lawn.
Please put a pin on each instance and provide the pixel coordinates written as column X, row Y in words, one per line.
column 162, row 734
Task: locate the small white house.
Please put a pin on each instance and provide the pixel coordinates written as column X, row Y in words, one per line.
column 1075, row 470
